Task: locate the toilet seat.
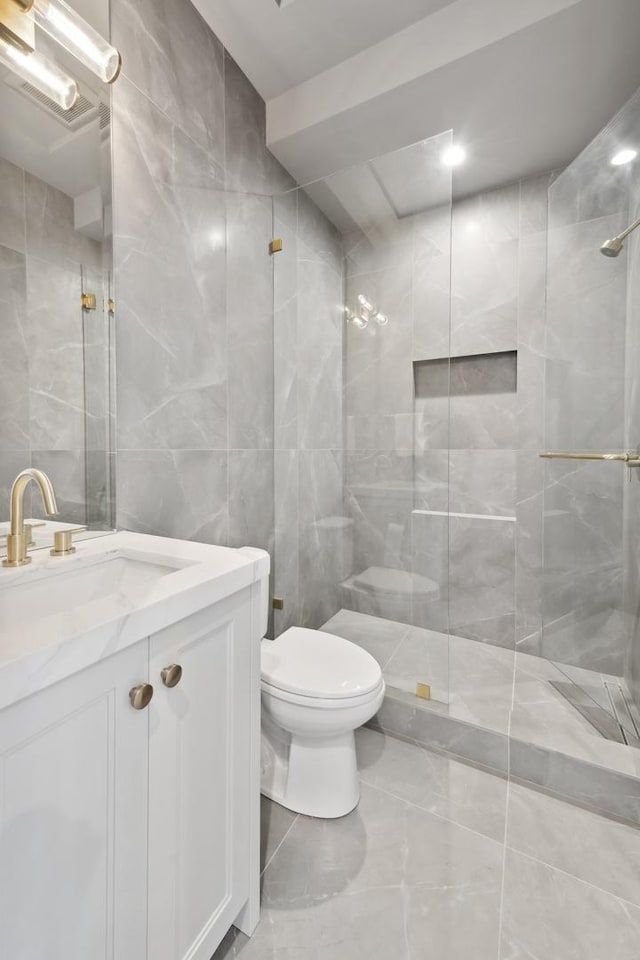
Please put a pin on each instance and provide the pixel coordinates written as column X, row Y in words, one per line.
column 320, row 703
column 312, row 665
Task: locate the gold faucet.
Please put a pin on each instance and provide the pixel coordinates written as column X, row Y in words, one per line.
column 17, row 538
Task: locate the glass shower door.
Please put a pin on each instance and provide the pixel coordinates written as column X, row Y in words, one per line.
column 361, row 354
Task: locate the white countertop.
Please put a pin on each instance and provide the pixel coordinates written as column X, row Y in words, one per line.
column 39, row 651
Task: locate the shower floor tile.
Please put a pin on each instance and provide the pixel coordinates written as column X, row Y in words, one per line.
column 405, row 876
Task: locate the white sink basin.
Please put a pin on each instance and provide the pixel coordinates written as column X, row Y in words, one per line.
column 59, row 615
column 61, row 590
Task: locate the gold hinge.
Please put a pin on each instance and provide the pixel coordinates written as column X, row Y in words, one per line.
column 278, row 603
column 276, row 245
column 88, row 301
column 423, row 690
column 112, row 307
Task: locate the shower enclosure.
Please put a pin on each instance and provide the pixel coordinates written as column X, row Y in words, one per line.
column 427, row 352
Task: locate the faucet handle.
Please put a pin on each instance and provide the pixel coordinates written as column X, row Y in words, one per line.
column 63, row 542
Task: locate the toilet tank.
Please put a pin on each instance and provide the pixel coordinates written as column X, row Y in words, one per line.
column 263, row 586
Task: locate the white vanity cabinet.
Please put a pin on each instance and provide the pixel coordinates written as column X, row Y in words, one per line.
column 132, row 834
column 73, row 817
column 200, row 801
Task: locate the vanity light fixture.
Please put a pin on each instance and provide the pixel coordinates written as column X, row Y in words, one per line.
column 63, row 24
column 40, row 73
column 623, row 156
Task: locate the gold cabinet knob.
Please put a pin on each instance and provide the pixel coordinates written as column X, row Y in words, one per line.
column 171, row 675
column 140, row 696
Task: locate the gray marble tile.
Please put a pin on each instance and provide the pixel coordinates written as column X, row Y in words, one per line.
column 188, row 499
column 391, row 872
column 285, row 330
column 534, row 203
column 421, row 657
column 250, row 166
column 66, row 470
column 319, row 236
column 250, row 321
column 400, row 716
column 482, row 482
column 549, row 914
column 594, row 786
column 379, row 637
column 320, row 499
column 286, row 556
column 484, row 422
column 50, row 232
column 14, row 408
column 482, row 579
column 12, row 199
column 54, row 341
column 275, row 823
column 251, row 500
column 455, row 791
column 378, row 361
column 590, row 847
column 172, row 57
column 319, row 356
column 172, row 374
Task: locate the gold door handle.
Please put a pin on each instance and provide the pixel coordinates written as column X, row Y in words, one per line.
column 171, row 675
column 140, row 696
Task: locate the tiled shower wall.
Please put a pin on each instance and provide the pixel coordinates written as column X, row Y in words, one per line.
column 42, row 387
column 193, row 181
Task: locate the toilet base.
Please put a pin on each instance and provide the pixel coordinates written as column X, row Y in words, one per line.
column 315, row 776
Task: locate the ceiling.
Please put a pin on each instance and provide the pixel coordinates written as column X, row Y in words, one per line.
column 524, row 85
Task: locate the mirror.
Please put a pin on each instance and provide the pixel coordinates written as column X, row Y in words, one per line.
column 56, row 380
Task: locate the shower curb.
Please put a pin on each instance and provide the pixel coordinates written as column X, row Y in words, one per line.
column 591, row 786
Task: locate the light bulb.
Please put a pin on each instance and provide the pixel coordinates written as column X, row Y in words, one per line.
column 78, row 37
column 365, row 304
column 41, row 73
column 453, row 156
column 382, row 319
column 360, row 322
column 623, row 156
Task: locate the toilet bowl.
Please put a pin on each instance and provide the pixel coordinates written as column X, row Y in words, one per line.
column 317, row 688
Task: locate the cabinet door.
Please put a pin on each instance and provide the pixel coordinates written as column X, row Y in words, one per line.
column 73, row 789
column 200, row 732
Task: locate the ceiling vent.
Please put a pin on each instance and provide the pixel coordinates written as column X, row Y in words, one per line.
column 87, row 107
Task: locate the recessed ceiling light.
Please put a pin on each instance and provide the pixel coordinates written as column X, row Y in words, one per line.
column 453, row 156
column 623, row 156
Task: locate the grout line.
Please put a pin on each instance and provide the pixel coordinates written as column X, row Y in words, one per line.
column 430, row 813
column 270, row 860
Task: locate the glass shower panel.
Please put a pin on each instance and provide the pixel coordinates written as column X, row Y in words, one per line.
column 362, row 345
column 589, row 411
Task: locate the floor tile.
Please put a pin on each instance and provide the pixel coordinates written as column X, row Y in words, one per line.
column 378, row 883
column 275, row 822
column 548, row 915
column 450, row 789
column 595, row 849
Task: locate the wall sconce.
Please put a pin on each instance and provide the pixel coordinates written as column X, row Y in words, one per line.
column 17, row 47
column 366, row 312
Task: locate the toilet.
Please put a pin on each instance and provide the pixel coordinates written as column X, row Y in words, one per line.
column 317, row 688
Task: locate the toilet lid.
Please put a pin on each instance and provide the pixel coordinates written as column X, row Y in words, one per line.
column 317, row 664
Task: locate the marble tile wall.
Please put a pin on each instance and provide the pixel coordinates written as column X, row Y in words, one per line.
column 42, row 393
column 193, row 214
